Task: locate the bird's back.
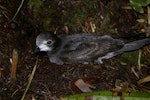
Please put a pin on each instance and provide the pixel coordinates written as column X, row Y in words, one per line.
column 88, row 47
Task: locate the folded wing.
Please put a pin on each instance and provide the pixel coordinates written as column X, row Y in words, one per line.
column 87, row 48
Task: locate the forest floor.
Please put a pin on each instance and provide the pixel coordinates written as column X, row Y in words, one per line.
column 51, row 81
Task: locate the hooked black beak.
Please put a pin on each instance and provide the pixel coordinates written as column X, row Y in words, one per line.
column 38, row 52
column 37, row 49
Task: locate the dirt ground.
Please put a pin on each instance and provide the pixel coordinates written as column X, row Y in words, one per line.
column 52, row 81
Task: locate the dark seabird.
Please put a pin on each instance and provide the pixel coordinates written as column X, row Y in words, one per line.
column 84, row 48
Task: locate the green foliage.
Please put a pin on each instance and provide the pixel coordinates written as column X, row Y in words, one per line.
column 138, row 4
column 130, row 57
column 54, row 15
column 76, row 14
column 106, row 95
column 35, row 5
column 41, row 13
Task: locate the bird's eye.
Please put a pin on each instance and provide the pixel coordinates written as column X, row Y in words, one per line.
column 49, row 42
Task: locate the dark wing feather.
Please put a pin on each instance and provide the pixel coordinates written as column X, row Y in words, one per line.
column 85, row 47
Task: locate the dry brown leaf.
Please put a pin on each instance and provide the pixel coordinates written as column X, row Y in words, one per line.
column 82, row 86
column 144, row 80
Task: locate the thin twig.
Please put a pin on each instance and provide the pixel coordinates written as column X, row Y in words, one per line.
column 134, row 72
column 14, row 66
column 148, row 13
column 30, row 79
column 148, row 19
column 139, row 60
column 17, row 11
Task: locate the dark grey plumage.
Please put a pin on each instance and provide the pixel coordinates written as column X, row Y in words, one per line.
column 84, row 48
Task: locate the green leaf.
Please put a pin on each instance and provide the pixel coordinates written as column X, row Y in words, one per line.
column 107, row 95
column 138, row 4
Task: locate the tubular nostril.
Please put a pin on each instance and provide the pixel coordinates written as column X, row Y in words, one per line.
column 37, row 49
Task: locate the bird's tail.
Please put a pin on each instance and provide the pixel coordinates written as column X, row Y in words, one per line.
column 136, row 45
column 131, row 46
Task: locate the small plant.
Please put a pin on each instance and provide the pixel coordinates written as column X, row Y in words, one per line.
column 138, row 4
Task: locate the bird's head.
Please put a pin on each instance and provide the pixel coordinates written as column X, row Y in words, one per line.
column 47, row 42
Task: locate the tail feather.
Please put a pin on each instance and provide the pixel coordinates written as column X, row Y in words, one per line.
column 127, row 47
column 135, row 45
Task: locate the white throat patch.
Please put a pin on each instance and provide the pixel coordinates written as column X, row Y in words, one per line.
column 44, row 47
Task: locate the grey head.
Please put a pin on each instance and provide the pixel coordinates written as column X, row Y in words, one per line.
column 47, row 42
